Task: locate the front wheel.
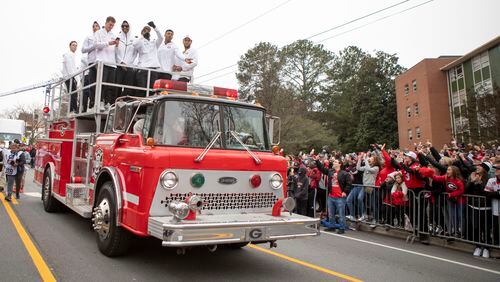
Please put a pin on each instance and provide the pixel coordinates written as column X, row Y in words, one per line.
column 49, row 203
column 112, row 240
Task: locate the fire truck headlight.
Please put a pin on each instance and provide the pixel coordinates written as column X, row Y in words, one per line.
column 276, row 181
column 169, row 180
column 180, row 210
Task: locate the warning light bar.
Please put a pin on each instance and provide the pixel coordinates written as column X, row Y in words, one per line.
column 161, row 85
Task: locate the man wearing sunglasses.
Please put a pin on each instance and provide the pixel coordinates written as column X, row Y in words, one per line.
column 125, row 55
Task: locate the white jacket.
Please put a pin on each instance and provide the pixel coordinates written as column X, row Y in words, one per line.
column 88, row 48
column 125, row 52
column 148, row 51
column 104, row 51
column 188, row 69
column 167, row 54
column 69, row 64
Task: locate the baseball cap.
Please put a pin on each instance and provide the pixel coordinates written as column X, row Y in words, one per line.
column 411, row 155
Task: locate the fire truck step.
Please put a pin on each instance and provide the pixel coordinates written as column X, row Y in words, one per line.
column 83, row 210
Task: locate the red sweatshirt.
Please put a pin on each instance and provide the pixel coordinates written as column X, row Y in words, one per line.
column 454, row 186
column 315, row 177
column 411, row 179
column 386, row 170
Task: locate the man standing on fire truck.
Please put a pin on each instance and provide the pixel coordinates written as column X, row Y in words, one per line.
column 88, row 48
column 190, row 54
column 168, row 53
column 125, row 55
column 148, row 56
column 105, row 44
column 69, row 68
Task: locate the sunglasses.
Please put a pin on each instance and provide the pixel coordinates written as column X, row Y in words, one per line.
column 123, row 26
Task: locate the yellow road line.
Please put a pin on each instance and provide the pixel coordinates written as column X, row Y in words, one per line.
column 38, row 260
column 14, row 201
column 306, row 264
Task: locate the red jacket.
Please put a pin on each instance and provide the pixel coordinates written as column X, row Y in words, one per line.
column 398, row 198
column 412, row 180
column 454, row 187
column 315, row 177
column 386, row 170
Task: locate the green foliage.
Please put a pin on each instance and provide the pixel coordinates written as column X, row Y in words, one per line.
column 346, row 101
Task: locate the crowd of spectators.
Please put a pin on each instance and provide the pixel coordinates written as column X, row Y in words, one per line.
column 452, row 192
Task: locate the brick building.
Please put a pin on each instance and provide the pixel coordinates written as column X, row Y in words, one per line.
column 422, row 103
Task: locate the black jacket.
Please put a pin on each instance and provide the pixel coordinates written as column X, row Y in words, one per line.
column 343, row 177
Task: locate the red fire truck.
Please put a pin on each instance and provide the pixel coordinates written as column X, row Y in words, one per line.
column 187, row 164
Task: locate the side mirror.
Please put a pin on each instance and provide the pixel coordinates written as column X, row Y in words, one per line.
column 274, row 128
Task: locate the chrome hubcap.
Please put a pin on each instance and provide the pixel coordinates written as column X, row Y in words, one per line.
column 101, row 219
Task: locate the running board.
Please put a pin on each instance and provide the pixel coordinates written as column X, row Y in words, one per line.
column 83, row 210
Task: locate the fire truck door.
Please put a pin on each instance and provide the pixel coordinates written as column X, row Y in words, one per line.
column 130, row 161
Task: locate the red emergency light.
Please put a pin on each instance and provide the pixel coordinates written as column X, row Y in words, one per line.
column 225, row 92
column 46, row 110
column 165, row 84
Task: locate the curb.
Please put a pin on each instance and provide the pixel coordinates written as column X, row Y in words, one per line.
column 435, row 241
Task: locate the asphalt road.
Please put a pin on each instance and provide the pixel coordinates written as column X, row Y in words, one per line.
column 67, row 245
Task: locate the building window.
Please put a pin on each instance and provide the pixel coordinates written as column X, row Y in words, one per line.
column 416, row 109
column 408, row 112
column 410, row 135
column 417, row 132
column 414, row 85
column 407, row 89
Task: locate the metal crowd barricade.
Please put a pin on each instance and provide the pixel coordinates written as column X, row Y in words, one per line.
column 470, row 220
column 376, row 206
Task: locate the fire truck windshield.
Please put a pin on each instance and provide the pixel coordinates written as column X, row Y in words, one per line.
column 194, row 124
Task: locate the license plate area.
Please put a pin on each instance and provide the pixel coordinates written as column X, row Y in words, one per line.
column 256, row 234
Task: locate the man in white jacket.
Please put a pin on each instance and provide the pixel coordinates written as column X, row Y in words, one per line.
column 68, row 70
column 148, row 57
column 105, row 45
column 168, row 53
column 125, row 55
column 88, row 48
column 191, row 55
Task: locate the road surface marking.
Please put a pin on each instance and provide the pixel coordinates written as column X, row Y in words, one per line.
column 415, row 253
column 33, row 194
column 14, row 201
column 38, row 260
column 303, row 263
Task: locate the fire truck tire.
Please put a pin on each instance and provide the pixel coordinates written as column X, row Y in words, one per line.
column 50, row 204
column 236, row 246
column 116, row 240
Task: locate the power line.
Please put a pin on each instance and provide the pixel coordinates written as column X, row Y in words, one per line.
column 336, row 35
column 358, row 19
column 330, row 29
column 377, row 20
column 244, row 24
column 215, row 77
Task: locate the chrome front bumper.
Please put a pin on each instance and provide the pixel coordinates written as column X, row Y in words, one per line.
column 231, row 228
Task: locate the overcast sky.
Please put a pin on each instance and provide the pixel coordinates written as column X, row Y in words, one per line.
column 35, row 34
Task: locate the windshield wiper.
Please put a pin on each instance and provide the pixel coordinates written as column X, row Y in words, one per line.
column 255, row 158
column 208, row 147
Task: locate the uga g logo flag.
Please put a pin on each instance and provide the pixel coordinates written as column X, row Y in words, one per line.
column 255, row 233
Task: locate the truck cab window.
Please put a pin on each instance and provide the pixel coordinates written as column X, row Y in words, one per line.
column 189, row 124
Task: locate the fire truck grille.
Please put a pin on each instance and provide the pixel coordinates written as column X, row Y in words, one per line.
column 229, row 201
